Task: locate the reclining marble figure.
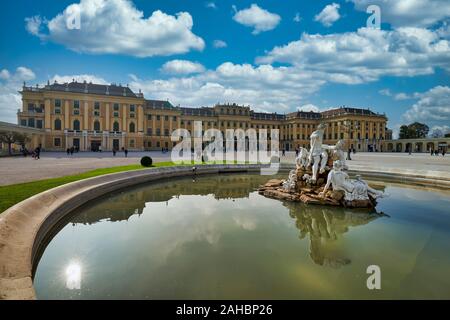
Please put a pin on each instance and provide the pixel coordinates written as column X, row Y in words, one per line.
column 356, row 189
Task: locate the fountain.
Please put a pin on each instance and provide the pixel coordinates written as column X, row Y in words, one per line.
column 320, row 177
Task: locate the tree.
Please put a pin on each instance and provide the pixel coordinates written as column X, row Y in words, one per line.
column 413, row 131
column 418, row 130
column 447, row 135
column 404, row 132
column 10, row 138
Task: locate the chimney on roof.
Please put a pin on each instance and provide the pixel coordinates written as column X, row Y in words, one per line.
column 124, row 92
column 107, row 90
column 73, row 79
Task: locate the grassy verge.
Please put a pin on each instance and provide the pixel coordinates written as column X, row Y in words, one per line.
column 13, row 194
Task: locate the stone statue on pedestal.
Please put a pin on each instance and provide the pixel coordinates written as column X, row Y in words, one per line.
column 318, row 156
column 353, row 189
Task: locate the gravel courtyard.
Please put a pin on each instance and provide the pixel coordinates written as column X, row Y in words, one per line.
column 53, row 164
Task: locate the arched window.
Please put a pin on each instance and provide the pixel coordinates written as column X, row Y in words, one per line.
column 96, row 125
column 76, row 125
column 116, row 126
column 132, row 127
column 57, row 124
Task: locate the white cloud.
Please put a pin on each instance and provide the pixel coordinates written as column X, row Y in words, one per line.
column 297, row 17
column 219, row 44
column 265, row 88
column 309, row 107
column 415, row 13
column 4, row 74
column 365, row 55
column 33, row 25
column 211, row 5
column 10, row 99
column 433, row 106
column 385, row 92
column 182, row 67
column 259, row 19
column 118, row 27
column 439, row 131
column 402, row 96
column 79, row 78
column 329, row 15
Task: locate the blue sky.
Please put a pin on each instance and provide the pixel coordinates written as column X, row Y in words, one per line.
column 277, row 56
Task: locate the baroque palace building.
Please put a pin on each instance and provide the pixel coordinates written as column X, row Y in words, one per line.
column 88, row 116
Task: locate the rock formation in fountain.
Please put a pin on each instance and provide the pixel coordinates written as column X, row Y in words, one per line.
column 320, row 178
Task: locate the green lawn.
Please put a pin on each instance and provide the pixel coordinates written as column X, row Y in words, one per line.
column 12, row 194
column 15, row 193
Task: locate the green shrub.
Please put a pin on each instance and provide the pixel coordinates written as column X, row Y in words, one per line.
column 146, row 161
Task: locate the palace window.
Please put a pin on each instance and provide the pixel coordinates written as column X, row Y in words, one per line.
column 166, row 118
column 116, row 107
column 116, row 126
column 166, row 132
column 57, row 124
column 149, row 131
column 97, row 105
column 149, row 117
column 76, row 104
column 132, row 128
column 132, row 108
column 131, row 143
column 23, row 122
column 39, row 124
column 96, row 125
column 174, row 118
column 76, row 125
column 115, row 114
column 57, row 142
column 158, row 144
column 57, row 103
column 158, row 117
column 31, row 122
column 158, row 132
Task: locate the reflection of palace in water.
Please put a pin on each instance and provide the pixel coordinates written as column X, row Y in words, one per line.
column 117, row 208
column 325, row 227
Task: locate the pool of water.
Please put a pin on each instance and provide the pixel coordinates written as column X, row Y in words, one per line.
column 215, row 237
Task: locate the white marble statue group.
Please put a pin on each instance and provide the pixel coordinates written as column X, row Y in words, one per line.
column 338, row 179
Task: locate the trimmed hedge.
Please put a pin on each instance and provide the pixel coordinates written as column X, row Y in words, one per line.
column 146, row 161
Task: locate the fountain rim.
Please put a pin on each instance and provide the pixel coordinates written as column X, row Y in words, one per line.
column 24, row 227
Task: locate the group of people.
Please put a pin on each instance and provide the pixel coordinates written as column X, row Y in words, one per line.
column 125, row 151
column 35, row 154
column 70, row 151
column 436, row 152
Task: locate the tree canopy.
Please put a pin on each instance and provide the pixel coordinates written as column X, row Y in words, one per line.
column 413, row 131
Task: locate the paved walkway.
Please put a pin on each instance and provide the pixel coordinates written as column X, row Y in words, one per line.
column 52, row 164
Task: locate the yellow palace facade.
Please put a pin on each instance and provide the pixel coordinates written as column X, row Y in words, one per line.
column 92, row 116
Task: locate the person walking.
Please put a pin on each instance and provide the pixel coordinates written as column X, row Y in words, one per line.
column 443, row 152
column 126, row 153
column 431, row 152
column 349, row 152
column 114, row 152
column 37, row 153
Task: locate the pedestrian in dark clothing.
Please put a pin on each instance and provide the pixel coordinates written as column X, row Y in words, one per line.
column 443, row 152
column 72, row 150
column 126, row 153
column 68, row 151
column 37, row 153
column 349, row 151
column 114, row 152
